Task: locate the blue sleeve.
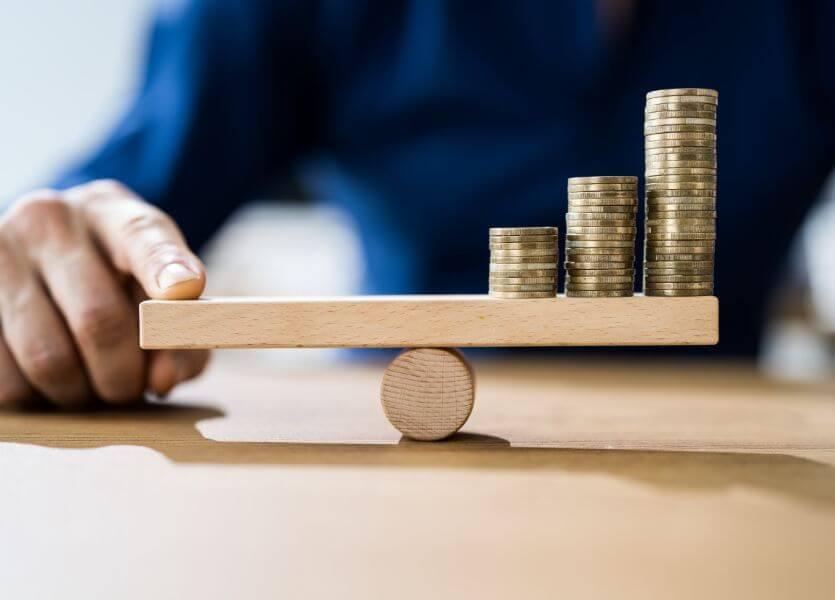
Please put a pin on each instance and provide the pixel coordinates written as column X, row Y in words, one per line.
column 217, row 118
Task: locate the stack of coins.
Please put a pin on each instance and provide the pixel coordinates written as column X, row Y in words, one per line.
column 680, row 147
column 523, row 262
column 600, row 240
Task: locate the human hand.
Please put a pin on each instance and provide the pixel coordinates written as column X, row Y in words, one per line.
column 73, row 267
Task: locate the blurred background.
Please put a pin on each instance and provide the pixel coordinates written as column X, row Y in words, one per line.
column 80, row 68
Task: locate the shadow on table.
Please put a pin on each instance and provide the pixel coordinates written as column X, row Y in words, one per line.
column 171, row 430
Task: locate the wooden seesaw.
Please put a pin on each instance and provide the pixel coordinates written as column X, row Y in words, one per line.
column 428, row 391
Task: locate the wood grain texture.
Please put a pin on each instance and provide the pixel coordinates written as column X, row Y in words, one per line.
column 427, row 393
column 427, row 321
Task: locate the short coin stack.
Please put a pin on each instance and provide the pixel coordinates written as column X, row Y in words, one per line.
column 523, row 262
column 600, row 240
column 680, row 151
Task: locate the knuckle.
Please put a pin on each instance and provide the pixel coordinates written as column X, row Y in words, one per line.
column 101, row 325
column 107, row 186
column 49, row 364
column 100, row 189
column 140, row 225
column 40, row 215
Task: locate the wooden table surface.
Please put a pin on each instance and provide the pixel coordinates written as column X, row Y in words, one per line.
column 572, row 479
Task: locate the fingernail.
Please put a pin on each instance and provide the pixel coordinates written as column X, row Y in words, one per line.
column 173, row 274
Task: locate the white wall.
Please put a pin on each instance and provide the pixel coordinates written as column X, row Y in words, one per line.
column 66, row 69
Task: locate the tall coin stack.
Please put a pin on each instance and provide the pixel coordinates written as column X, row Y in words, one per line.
column 680, row 150
column 600, row 240
column 523, row 262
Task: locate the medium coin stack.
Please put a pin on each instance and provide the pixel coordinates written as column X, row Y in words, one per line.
column 680, row 151
column 600, row 240
column 523, row 262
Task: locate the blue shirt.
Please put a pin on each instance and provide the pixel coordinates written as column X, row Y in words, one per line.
column 431, row 120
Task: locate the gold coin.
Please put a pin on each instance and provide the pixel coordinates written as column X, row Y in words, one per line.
column 574, row 204
column 695, row 247
column 657, row 115
column 612, row 212
column 650, row 121
column 523, row 253
column 659, row 211
column 600, row 272
column 599, row 294
column 628, row 259
column 665, row 186
column 537, row 287
column 700, row 145
column 600, row 240
column 518, row 239
column 656, row 200
column 523, row 295
column 682, row 214
column 678, row 154
column 524, row 230
column 509, row 265
column 524, row 245
column 652, row 230
column 682, row 279
column 701, row 235
column 677, row 243
column 678, row 286
column 682, row 137
column 574, row 220
column 707, row 92
column 599, row 251
column 600, row 243
column 575, row 214
column 625, row 262
column 679, row 128
column 590, row 287
column 681, row 100
column 682, row 257
column 671, row 264
column 654, row 155
column 657, row 180
column 584, row 229
column 588, row 279
column 522, row 280
column 673, row 225
column 699, row 102
column 605, row 194
column 597, row 258
column 606, row 266
column 678, row 107
column 628, row 179
column 602, row 187
column 687, row 195
column 666, row 161
column 673, row 251
column 651, row 173
column 680, row 167
column 693, row 221
column 678, row 293
column 652, row 273
column 522, row 274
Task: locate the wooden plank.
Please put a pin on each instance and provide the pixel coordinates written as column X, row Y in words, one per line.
column 427, row 321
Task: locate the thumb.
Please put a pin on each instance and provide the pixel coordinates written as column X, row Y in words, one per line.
column 141, row 241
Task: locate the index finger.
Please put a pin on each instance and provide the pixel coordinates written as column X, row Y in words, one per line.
column 141, row 240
